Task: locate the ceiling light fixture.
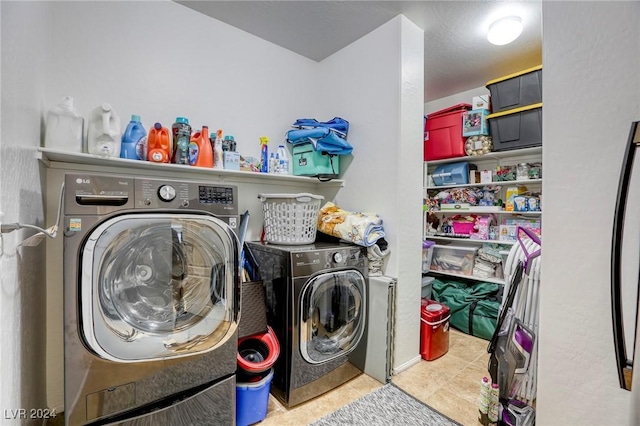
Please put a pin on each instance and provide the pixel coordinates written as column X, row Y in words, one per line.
column 504, row 30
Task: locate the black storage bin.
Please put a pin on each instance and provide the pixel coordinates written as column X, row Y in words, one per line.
column 516, row 90
column 517, row 128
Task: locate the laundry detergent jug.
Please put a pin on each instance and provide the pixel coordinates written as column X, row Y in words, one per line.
column 103, row 136
column 200, row 151
column 65, row 127
column 133, row 144
column 159, row 144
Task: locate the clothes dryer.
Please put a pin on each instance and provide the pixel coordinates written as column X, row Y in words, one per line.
column 316, row 298
column 151, row 301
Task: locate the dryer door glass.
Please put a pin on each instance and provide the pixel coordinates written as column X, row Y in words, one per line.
column 332, row 315
column 159, row 285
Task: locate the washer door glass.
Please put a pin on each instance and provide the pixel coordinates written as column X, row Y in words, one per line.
column 158, row 285
column 332, row 315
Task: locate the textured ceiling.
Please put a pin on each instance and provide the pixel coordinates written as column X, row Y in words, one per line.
column 457, row 55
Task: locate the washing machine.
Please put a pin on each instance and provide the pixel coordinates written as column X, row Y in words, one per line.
column 151, row 301
column 316, row 297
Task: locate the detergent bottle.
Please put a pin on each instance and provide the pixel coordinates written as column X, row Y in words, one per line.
column 264, row 154
column 217, row 151
column 65, row 127
column 134, row 140
column 181, row 133
column 103, row 136
column 159, row 144
column 200, row 151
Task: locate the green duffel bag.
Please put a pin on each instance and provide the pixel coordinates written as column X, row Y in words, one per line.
column 473, row 307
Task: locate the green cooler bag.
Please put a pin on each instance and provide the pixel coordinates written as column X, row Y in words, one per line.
column 473, row 307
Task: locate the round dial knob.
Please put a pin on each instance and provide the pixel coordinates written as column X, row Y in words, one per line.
column 167, row 193
column 338, row 257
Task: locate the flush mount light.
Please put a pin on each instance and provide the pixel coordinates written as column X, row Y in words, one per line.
column 505, row 30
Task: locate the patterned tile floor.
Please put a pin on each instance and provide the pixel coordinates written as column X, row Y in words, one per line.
column 450, row 384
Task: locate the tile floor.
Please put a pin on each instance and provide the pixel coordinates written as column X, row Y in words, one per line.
column 450, row 384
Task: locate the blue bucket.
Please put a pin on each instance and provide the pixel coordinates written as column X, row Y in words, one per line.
column 252, row 400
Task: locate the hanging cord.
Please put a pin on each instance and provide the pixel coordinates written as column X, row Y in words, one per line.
column 50, row 232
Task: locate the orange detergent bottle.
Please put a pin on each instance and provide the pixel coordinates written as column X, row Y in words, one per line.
column 159, row 144
column 200, row 151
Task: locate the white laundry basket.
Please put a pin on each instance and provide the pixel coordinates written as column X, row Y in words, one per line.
column 290, row 218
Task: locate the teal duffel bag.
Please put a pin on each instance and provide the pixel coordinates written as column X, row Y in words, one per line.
column 473, row 307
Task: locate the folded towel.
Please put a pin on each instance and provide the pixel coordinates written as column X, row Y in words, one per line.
column 356, row 227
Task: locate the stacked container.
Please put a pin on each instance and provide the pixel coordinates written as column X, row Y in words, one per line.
column 516, row 110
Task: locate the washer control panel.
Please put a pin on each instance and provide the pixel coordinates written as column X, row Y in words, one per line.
column 162, row 193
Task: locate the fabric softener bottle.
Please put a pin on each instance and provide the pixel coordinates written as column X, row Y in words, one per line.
column 181, row 133
column 134, row 140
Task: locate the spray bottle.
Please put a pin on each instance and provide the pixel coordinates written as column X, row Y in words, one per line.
column 264, row 154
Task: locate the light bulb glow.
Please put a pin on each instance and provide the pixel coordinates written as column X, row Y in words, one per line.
column 504, row 30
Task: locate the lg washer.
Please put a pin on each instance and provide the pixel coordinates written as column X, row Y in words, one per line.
column 151, row 301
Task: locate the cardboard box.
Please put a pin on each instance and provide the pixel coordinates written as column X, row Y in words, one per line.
column 474, row 176
column 512, row 193
column 231, row 160
column 486, row 176
column 474, row 122
column 481, row 102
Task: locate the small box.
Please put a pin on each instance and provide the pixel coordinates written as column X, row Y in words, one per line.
column 309, row 162
column 451, row 174
column 486, row 176
column 474, row 176
column 231, row 160
column 520, row 203
column 511, row 193
column 516, row 90
column 474, row 122
column 507, row 233
column 481, row 102
column 443, row 133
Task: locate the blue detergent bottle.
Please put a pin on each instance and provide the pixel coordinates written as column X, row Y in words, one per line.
column 134, row 140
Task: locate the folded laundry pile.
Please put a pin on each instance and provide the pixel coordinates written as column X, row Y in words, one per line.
column 364, row 229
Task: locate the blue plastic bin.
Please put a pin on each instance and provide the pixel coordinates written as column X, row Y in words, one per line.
column 252, row 400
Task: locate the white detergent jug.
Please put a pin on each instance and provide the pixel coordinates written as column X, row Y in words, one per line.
column 65, row 127
column 103, row 136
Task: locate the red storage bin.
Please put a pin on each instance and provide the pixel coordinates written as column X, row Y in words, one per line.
column 443, row 133
column 434, row 329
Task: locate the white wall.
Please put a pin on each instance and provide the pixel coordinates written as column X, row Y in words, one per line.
column 383, row 99
column 22, row 286
column 591, row 57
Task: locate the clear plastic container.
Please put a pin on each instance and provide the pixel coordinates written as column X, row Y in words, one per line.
column 65, row 127
column 427, row 254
